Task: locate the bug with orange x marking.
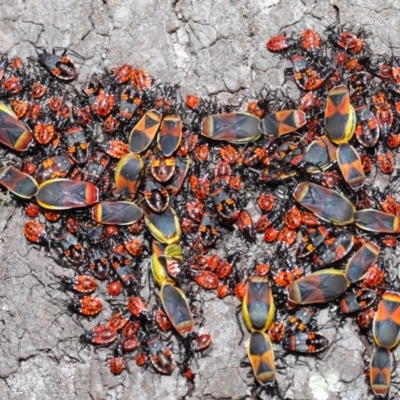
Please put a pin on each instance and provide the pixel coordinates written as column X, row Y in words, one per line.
column 380, row 371
column 17, row 182
column 282, row 122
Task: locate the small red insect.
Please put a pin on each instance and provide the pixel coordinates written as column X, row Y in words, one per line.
column 36, row 232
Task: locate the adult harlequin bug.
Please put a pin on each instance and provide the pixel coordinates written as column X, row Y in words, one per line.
column 258, row 305
column 36, row 232
column 127, row 175
column 144, row 132
column 234, row 127
column 13, row 133
column 386, row 325
column 116, row 213
column 319, row 155
column 282, row 122
column 358, row 265
column 177, row 309
column 170, row 134
column 350, row 165
column 380, row 371
column 261, row 356
column 319, row 287
column 17, row 182
column 164, row 227
column 181, row 168
column 377, row 221
column 340, row 117
column 325, row 203
column 64, row 194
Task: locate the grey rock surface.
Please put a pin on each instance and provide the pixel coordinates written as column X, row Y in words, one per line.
column 208, row 48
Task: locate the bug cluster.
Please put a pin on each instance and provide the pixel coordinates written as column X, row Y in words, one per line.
column 122, row 179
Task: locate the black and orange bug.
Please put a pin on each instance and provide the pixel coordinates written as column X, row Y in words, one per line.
column 170, row 134
column 284, row 278
column 238, row 127
column 165, row 262
column 138, row 309
column 258, row 306
column 225, row 267
column 350, row 165
column 305, row 342
column 87, row 306
column 262, row 359
column 181, row 168
column 17, row 182
column 71, row 247
column 377, row 221
column 102, row 103
column 223, row 291
column 117, row 360
column 77, row 144
column 280, row 42
column 319, row 155
column 380, row 371
column 340, row 117
column 110, row 125
column 367, row 127
column 114, row 148
column 164, row 227
column 36, row 232
column 129, row 102
column 334, row 248
column 161, row 356
column 201, row 342
column 64, row 194
column 386, row 325
column 116, row 213
column 200, row 186
column 13, row 133
column 82, row 284
column 357, row 301
column 319, row 287
column 100, row 335
column 133, row 246
column 177, row 309
column 127, row 175
column 156, row 196
column 359, row 263
column 195, row 210
column 131, row 328
column 325, row 203
column 201, row 152
column 144, row 132
column 253, row 108
column 225, row 205
column 163, row 168
column 299, row 321
column 129, row 343
column 53, row 167
column 13, row 85
column 61, row 66
column 282, row 122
